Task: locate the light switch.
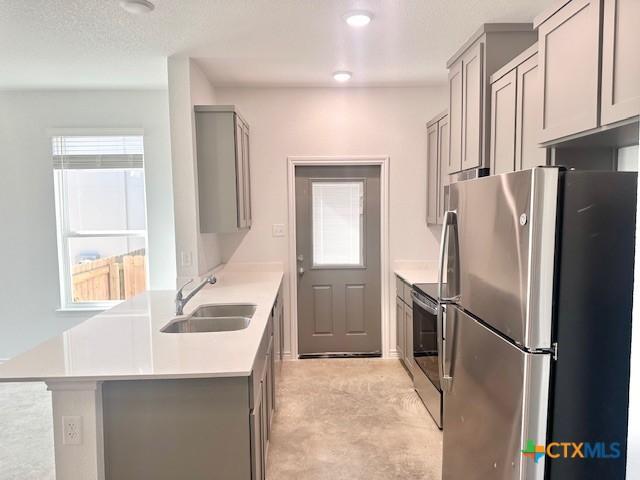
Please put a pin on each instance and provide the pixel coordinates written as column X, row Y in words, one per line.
column 277, row 230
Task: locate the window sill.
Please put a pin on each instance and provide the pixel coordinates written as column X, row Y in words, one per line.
column 100, row 308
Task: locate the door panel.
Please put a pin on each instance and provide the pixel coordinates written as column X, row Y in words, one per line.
column 454, row 159
column 473, row 81
column 355, row 295
column 338, row 304
column 484, row 431
column 323, row 310
column 529, row 117
column 620, row 60
column 503, row 124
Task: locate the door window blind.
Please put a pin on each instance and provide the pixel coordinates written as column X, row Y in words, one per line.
column 337, row 212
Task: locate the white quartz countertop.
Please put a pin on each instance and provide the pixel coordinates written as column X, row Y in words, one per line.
column 125, row 343
column 417, row 275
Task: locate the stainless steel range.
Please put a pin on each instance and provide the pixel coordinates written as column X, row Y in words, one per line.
column 426, row 348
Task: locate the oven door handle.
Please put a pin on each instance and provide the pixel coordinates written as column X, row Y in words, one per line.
column 429, row 308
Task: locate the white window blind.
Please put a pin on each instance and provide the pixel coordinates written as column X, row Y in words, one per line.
column 337, row 211
column 87, row 152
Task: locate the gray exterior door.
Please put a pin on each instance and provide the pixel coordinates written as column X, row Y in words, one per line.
column 338, row 259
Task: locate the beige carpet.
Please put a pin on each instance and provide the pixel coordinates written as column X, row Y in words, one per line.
column 26, row 432
column 351, row 419
column 337, row 419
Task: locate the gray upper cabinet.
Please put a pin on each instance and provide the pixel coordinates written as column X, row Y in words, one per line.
column 589, row 66
column 470, row 68
column 432, row 174
column 503, row 124
column 569, row 42
column 620, row 60
column 472, row 107
column 443, row 154
column 516, row 115
column 454, row 162
column 437, row 169
column 224, row 181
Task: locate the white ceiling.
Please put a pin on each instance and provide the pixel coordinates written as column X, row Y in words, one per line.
column 96, row 44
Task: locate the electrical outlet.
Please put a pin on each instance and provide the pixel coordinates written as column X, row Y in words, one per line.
column 277, row 230
column 72, row 430
column 185, row 259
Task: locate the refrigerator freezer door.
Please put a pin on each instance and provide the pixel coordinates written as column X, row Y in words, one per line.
column 496, row 405
column 504, row 257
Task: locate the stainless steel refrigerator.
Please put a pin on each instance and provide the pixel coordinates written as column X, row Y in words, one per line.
column 536, row 321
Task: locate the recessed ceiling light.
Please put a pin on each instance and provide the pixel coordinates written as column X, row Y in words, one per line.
column 137, row 6
column 342, row 76
column 358, row 19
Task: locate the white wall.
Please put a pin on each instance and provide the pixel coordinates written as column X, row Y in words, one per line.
column 197, row 253
column 337, row 121
column 29, row 293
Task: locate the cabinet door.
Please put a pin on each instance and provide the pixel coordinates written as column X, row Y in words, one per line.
column 620, row 60
column 432, row 174
column 569, row 62
column 269, row 396
column 472, row 101
column 529, row 117
column 265, row 416
column 454, row 161
column 257, row 444
column 400, row 328
column 240, row 181
column 408, row 337
column 246, row 169
column 443, row 155
column 503, row 124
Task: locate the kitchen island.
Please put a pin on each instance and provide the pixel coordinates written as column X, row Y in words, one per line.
column 130, row 401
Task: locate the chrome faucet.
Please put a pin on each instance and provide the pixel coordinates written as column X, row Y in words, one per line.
column 181, row 301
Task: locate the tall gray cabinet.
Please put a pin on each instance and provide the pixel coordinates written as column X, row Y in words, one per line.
column 223, row 169
column 470, row 68
column 437, row 172
column 516, row 115
column 589, row 65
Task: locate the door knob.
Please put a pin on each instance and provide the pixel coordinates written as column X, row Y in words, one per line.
column 300, row 270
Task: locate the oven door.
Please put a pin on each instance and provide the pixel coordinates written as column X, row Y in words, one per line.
column 426, row 338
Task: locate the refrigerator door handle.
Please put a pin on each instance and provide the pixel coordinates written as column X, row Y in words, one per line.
column 445, row 379
column 448, row 221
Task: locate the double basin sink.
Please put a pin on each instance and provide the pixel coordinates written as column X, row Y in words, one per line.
column 213, row 318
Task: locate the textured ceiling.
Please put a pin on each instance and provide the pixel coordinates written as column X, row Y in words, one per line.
column 96, row 44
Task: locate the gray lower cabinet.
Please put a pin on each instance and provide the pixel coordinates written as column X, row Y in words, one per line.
column 223, row 169
column 516, row 115
column 404, row 324
column 437, row 171
column 486, row 51
column 208, row 427
column 589, row 66
column 620, row 60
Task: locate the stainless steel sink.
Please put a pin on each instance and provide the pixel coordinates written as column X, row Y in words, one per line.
column 231, row 310
column 213, row 318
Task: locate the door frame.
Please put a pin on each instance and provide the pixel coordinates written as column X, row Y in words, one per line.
column 340, row 160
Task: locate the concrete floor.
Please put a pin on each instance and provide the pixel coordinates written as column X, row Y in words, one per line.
column 26, row 432
column 351, row 419
column 337, row 419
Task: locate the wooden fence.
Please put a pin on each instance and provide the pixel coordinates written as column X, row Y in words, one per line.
column 111, row 278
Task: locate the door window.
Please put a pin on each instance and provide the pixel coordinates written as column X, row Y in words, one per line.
column 337, row 212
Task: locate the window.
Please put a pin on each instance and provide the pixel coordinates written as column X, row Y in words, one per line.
column 101, row 219
column 337, row 211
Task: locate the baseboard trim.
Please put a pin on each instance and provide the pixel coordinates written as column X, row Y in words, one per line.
column 305, row 356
